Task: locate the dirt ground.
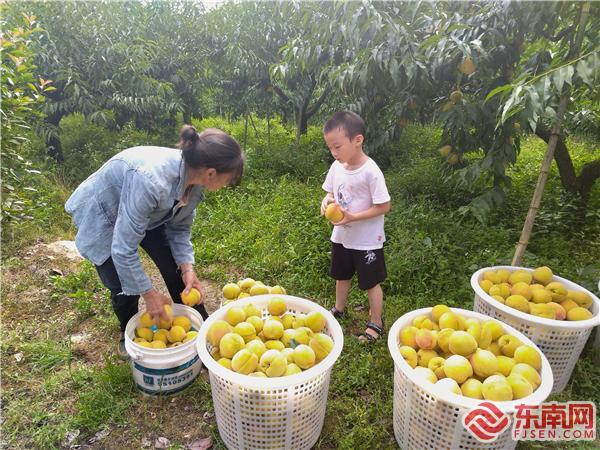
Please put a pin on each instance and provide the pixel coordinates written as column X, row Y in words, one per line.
column 29, row 313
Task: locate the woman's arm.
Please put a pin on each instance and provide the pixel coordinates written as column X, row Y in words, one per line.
column 138, row 199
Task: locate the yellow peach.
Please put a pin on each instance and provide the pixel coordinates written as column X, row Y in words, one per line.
column 244, row 361
column 579, row 313
column 458, row 368
column 542, row 275
column 519, row 385
column 315, row 321
column 437, row 311
column 528, row 355
column 245, row 330
column 520, row 275
column 424, row 373
column 257, row 347
column 230, row 344
column 231, row 291
column 508, row 344
column 462, row 343
column 322, row 345
column 216, row 331
column 273, row 363
column 496, row 388
column 235, row 315
column 276, row 306
column 529, row 373
column 472, row 388
column 304, row 356
column 410, row 355
column 272, row 329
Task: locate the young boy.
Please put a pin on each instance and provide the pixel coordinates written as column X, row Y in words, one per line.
column 357, row 185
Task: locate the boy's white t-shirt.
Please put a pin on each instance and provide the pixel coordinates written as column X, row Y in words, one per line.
column 358, row 190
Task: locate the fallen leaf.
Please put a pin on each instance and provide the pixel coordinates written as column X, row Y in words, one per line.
column 201, row 444
column 162, row 442
column 99, row 436
column 70, row 437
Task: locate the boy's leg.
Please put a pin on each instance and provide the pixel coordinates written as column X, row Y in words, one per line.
column 375, row 296
column 371, row 270
column 342, row 270
column 342, row 287
column 156, row 244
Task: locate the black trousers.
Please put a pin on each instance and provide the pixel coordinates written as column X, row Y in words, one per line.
column 155, row 243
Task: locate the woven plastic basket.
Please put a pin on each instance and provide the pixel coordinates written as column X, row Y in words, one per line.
column 561, row 341
column 426, row 417
column 271, row 413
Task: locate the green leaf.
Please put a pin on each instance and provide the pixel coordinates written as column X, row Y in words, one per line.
column 498, row 90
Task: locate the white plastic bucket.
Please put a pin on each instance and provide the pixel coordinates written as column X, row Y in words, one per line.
column 164, row 371
column 271, row 413
column 561, row 341
column 427, row 417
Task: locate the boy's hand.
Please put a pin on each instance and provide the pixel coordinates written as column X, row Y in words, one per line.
column 348, row 217
column 326, row 201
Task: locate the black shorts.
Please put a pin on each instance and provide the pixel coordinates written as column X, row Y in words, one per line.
column 368, row 264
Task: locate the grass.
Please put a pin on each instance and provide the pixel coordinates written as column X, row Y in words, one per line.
column 269, row 229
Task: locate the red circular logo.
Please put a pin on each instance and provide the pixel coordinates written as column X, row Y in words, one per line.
column 486, row 422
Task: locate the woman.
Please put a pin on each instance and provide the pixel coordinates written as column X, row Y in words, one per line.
column 147, row 196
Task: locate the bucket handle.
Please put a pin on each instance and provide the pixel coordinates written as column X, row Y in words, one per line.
column 137, row 356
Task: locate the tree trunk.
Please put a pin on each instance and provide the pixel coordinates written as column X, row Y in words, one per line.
column 568, row 177
column 589, row 174
column 245, row 130
column 187, row 116
column 53, row 144
column 121, row 118
column 580, row 185
column 301, row 122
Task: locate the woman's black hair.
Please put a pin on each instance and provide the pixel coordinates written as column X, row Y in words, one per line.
column 212, row 148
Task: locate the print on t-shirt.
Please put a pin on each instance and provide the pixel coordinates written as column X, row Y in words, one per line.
column 344, row 196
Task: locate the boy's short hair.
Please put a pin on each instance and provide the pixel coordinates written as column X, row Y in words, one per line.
column 349, row 121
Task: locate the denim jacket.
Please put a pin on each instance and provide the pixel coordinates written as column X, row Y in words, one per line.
column 132, row 192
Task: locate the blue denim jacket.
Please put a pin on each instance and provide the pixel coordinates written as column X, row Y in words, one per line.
column 132, row 192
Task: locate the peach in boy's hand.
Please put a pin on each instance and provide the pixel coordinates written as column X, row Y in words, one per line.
column 334, row 213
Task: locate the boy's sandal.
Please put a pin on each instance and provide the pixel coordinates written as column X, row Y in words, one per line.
column 366, row 337
column 337, row 313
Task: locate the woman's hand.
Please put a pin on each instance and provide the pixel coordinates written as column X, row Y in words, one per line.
column 155, row 302
column 326, row 201
column 188, row 275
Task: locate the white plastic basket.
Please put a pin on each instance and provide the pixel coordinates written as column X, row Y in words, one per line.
column 271, row 413
column 560, row 340
column 164, row 371
column 426, row 417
